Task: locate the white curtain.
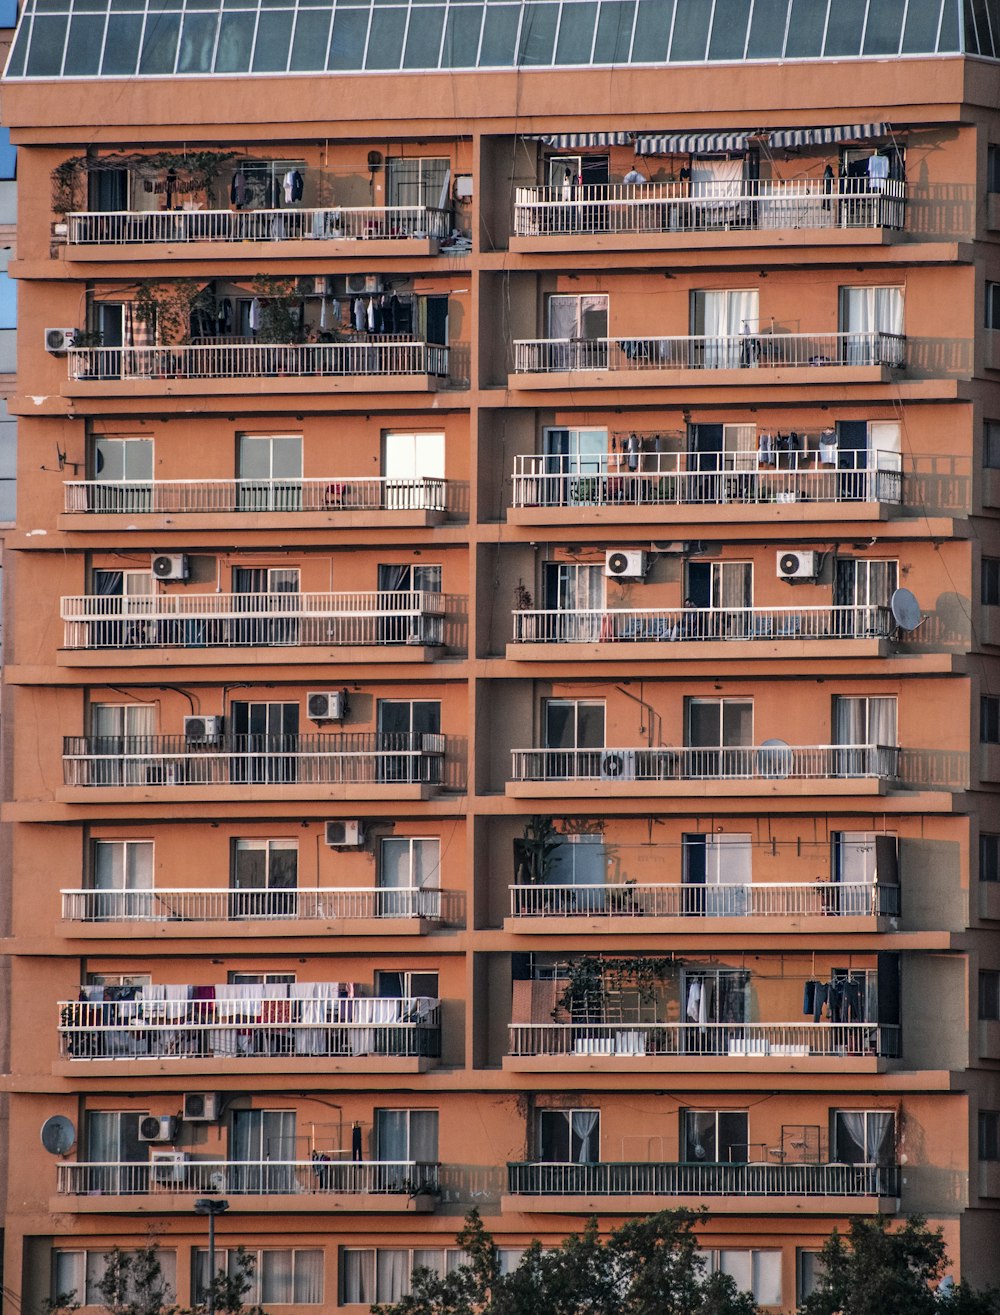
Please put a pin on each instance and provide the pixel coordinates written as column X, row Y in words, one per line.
column 851, row 1147
column 393, row 1274
column 725, row 315
column 866, row 312
column 766, row 1286
column 584, row 1126
column 359, row 1277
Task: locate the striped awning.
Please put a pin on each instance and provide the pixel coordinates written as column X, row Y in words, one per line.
column 853, row 132
column 565, row 141
column 692, row 143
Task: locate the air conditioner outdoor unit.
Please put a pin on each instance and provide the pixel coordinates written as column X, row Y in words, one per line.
column 326, row 705
column 170, row 566
column 201, row 1107
column 203, row 730
column 622, row 564
column 794, row 564
column 618, row 765
column 59, row 341
column 167, row 1168
column 158, row 1127
column 363, row 284
column 345, row 835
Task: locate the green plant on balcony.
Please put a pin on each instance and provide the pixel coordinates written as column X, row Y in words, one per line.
column 280, row 307
column 189, row 171
column 590, row 978
column 166, row 308
column 538, row 846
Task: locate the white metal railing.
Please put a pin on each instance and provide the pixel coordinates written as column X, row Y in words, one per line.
column 816, row 899
column 743, row 351
column 189, row 620
column 745, row 762
column 633, row 624
column 735, row 1040
column 676, row 478
column 328, row 223
column 332, row 493
column 178, row 1173
column 187, row 904
column 668, row 1179
column 692, row 207
column 252, row 1027
column 380, row 356
column 350, row 758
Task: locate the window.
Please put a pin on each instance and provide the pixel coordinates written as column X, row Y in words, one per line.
column 863, row 582
column 574, row 724
column 270, row 472
column 369, row 1274
column 989, row 719
column 8, row 301
column 406, row 1135
column 258, row 1138
column 575, row 452
column 80, row 1272
column 581, row 316
column 993, row 168
column 259, row 732
column 989, row 857
column 408, row 865
column 756, row 1272
column 718, row 870
column 863, row 1137
column 121, row 734
column 808, row 1272
column 715, row 1136
column 993, row 305
column 577, row 591
column 123, row 874
column 865, row 315
column 724, row 320
column 719, row 729
column 720, row 585
column 991, row 444
column 409, row 747
column 123, row 471
column 989, row 995
column 8, row 153
column 989, row 582
column 410, row 458
column 422, row 181
column 863, row 721
column 406, row 985
column 508, row 1259
column 288, row 1277
column 119, row 979
column 113, row 1148
column 569, row 1136
column 260, row 979
column 268, row 869
column 989, row 1134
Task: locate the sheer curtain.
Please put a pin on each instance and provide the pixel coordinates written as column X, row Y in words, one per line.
column 359, row 1277
column 867, row 312
column 392, row 1274
column 585, row 1135
column 723, row 317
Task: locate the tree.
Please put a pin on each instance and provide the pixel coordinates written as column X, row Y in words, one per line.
column 650, row 1266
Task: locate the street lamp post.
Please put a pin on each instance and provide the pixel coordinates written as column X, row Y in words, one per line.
column 211, row 1206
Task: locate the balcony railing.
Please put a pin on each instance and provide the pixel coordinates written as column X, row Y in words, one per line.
column 702, row 479
column 382, row 357
column 330, row 223
column 818, row 899
column 735, row 1040
column 179, row 1175
column 699, row 624
column 188, row 620
column 357, row 758
column 698, row 207
column 250, row 1027
column 332, row 493
column 766, row 762
column 186, row 904
column 660, row 1179
column 774, row 351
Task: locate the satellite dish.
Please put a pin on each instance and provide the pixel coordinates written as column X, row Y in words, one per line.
column 58, row 1135
column 905, row 610
column 774, row 759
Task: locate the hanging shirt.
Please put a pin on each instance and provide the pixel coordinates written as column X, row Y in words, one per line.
column 371, row 314
column 632, row 451
column 878, row 171
column 238, row 188
column 359, row 314
column 254, row 315
column 322, row 313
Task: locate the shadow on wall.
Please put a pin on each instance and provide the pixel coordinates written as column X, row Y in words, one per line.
column 941, row 210
column 935, row 485
column 467, row 1185
column 934, row 769
column 948, row 626
column 936, row 358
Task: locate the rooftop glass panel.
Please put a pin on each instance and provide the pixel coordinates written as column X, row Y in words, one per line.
column 352, row 36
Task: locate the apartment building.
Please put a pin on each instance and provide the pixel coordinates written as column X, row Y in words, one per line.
column 504, row 645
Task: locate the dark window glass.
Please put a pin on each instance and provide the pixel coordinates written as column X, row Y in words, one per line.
column 993, row 169
column 805, row 29
column 690, row 31
column 652, row 31
column 729, row 29
column 991, row 444
column 989, row 1135
column 971, row 34
column 235, row 41
column 920, row 31
column 423, row 40
column 989, row 857
column 989, row 996
column 990, row 581
column 197, row 43
column 948, row 37
column 274, row 32
column 312, row 35
column 121, row 46
column 347, row 44
column 843, row 33
column 767, row 29
column 83, row 50
column 15, row 67
column 984, row 27
column 538, row 31
column 614, row 31
column 159, row 43
column 48, row 32
column 461, row 38
column 885, row 23
column 499, row 36
column 993, row 305
column 989, row 719
column 385, row 41
column 576, row 34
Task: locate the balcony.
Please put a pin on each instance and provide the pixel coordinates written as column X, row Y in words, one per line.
column 409, row 230
column 170, row 1179
column 666, row 212
column 650, row 632
column 638, row 1188
column 330, row 500
column 800, row 906
column 186, row 911
column 546, row 363
column 400, row 365
column 673, row 1047
column 388, row 620
column 197, row 1029
column 554, row 488
column 775, row 768
column 355, row 765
